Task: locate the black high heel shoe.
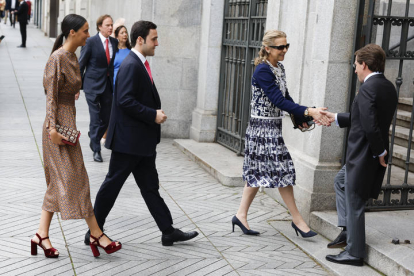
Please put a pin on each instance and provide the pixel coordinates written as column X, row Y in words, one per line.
column 303, row 234
column 246, row 231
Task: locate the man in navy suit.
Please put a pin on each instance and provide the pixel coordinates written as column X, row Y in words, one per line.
column 98, row 56
column 133, row 134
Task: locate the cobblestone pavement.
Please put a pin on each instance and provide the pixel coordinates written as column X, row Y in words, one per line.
column 197, row 201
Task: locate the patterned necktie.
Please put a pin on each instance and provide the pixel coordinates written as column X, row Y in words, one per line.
column 149, row 70
column 108, row 57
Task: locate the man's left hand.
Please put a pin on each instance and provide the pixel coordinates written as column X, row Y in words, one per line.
column 382, row 159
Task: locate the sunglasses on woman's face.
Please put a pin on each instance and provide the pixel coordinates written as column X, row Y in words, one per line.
column 281, row 47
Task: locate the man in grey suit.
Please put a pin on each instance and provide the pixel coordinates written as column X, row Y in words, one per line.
column 366, row 158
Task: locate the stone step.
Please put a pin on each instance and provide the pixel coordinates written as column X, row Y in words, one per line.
column 398, row 175
column 405, row 104
column 217, row 160
column 382, row 255
column 316, row 248
column 401, row 136
column 403, row 118
column 400, row 156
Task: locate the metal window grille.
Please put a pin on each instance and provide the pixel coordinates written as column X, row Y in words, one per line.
column 243, row 30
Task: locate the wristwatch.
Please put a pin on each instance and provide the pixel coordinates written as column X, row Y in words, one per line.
column 306, row 113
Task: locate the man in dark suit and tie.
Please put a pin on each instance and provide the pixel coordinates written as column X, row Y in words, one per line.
column 96, row 64
column 22, row 17
column 366, row 158
column 133, row 134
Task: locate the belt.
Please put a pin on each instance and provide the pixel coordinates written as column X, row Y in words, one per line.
column 269, row 118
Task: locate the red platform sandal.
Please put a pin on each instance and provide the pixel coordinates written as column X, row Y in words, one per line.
column 109, row 249
column 49, row 253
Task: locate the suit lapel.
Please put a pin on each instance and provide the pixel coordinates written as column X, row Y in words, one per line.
column 114, row 48
column 152, row 85
column 100, row 46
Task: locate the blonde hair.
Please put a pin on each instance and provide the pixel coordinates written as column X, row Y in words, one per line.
column 268, row 40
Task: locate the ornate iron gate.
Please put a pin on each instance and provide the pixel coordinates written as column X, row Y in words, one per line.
column 388, row 24
column 243, row 30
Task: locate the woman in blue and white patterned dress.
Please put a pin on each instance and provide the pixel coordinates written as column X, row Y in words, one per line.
column 267, row 162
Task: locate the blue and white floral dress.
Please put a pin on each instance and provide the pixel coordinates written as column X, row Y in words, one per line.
column 267, row 162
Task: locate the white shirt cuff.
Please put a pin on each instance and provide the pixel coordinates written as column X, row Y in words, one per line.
column 336, row 119
column 382, row 154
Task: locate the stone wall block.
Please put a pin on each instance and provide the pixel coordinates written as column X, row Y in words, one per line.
column 342, row 39
column 178, row 42
column 167, row 72
column 189, row 74
column 175, row 129
column 181, row 13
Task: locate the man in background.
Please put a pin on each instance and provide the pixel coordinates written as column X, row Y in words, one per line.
column 96, row 64
column 22, row 17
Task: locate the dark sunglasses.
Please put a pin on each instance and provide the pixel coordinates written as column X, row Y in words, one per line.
column 281, row 47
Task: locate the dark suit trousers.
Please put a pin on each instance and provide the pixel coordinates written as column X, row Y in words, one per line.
column 12, row 17
column 145, row 173
column 23, row 32
column 100, row 113
column 351, row 213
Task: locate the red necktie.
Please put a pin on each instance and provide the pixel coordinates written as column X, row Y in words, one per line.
column 108, row 57
column 149, row 70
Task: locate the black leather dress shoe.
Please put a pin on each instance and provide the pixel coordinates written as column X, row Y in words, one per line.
column 345, row 258
column 339, row 242
column 90, row 142
column 97, row 156
column 87, row 240
column 21, row 46
column 177, row 235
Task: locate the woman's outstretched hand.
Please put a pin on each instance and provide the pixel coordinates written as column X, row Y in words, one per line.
column 320, row 116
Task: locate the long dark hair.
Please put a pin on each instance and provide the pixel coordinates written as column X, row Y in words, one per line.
column 70, row 22
column 128, row 45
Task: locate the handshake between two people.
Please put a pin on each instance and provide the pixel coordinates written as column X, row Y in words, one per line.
column 326, row 118
column 320, row 116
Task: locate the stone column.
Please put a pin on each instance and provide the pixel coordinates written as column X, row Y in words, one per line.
column 318, row 69
column 204, row 119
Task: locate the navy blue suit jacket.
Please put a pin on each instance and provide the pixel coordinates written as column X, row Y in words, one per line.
column 132, row 128
column 93, row 64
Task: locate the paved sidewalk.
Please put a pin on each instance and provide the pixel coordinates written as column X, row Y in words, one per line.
column 197, row 201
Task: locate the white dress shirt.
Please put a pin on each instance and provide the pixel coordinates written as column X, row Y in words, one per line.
column 141, row 57
column 103, row 39
column 13, row 4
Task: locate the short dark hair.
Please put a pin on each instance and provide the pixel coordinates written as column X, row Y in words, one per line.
column 101, row 19
column 141, row 29
column 373, row 56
